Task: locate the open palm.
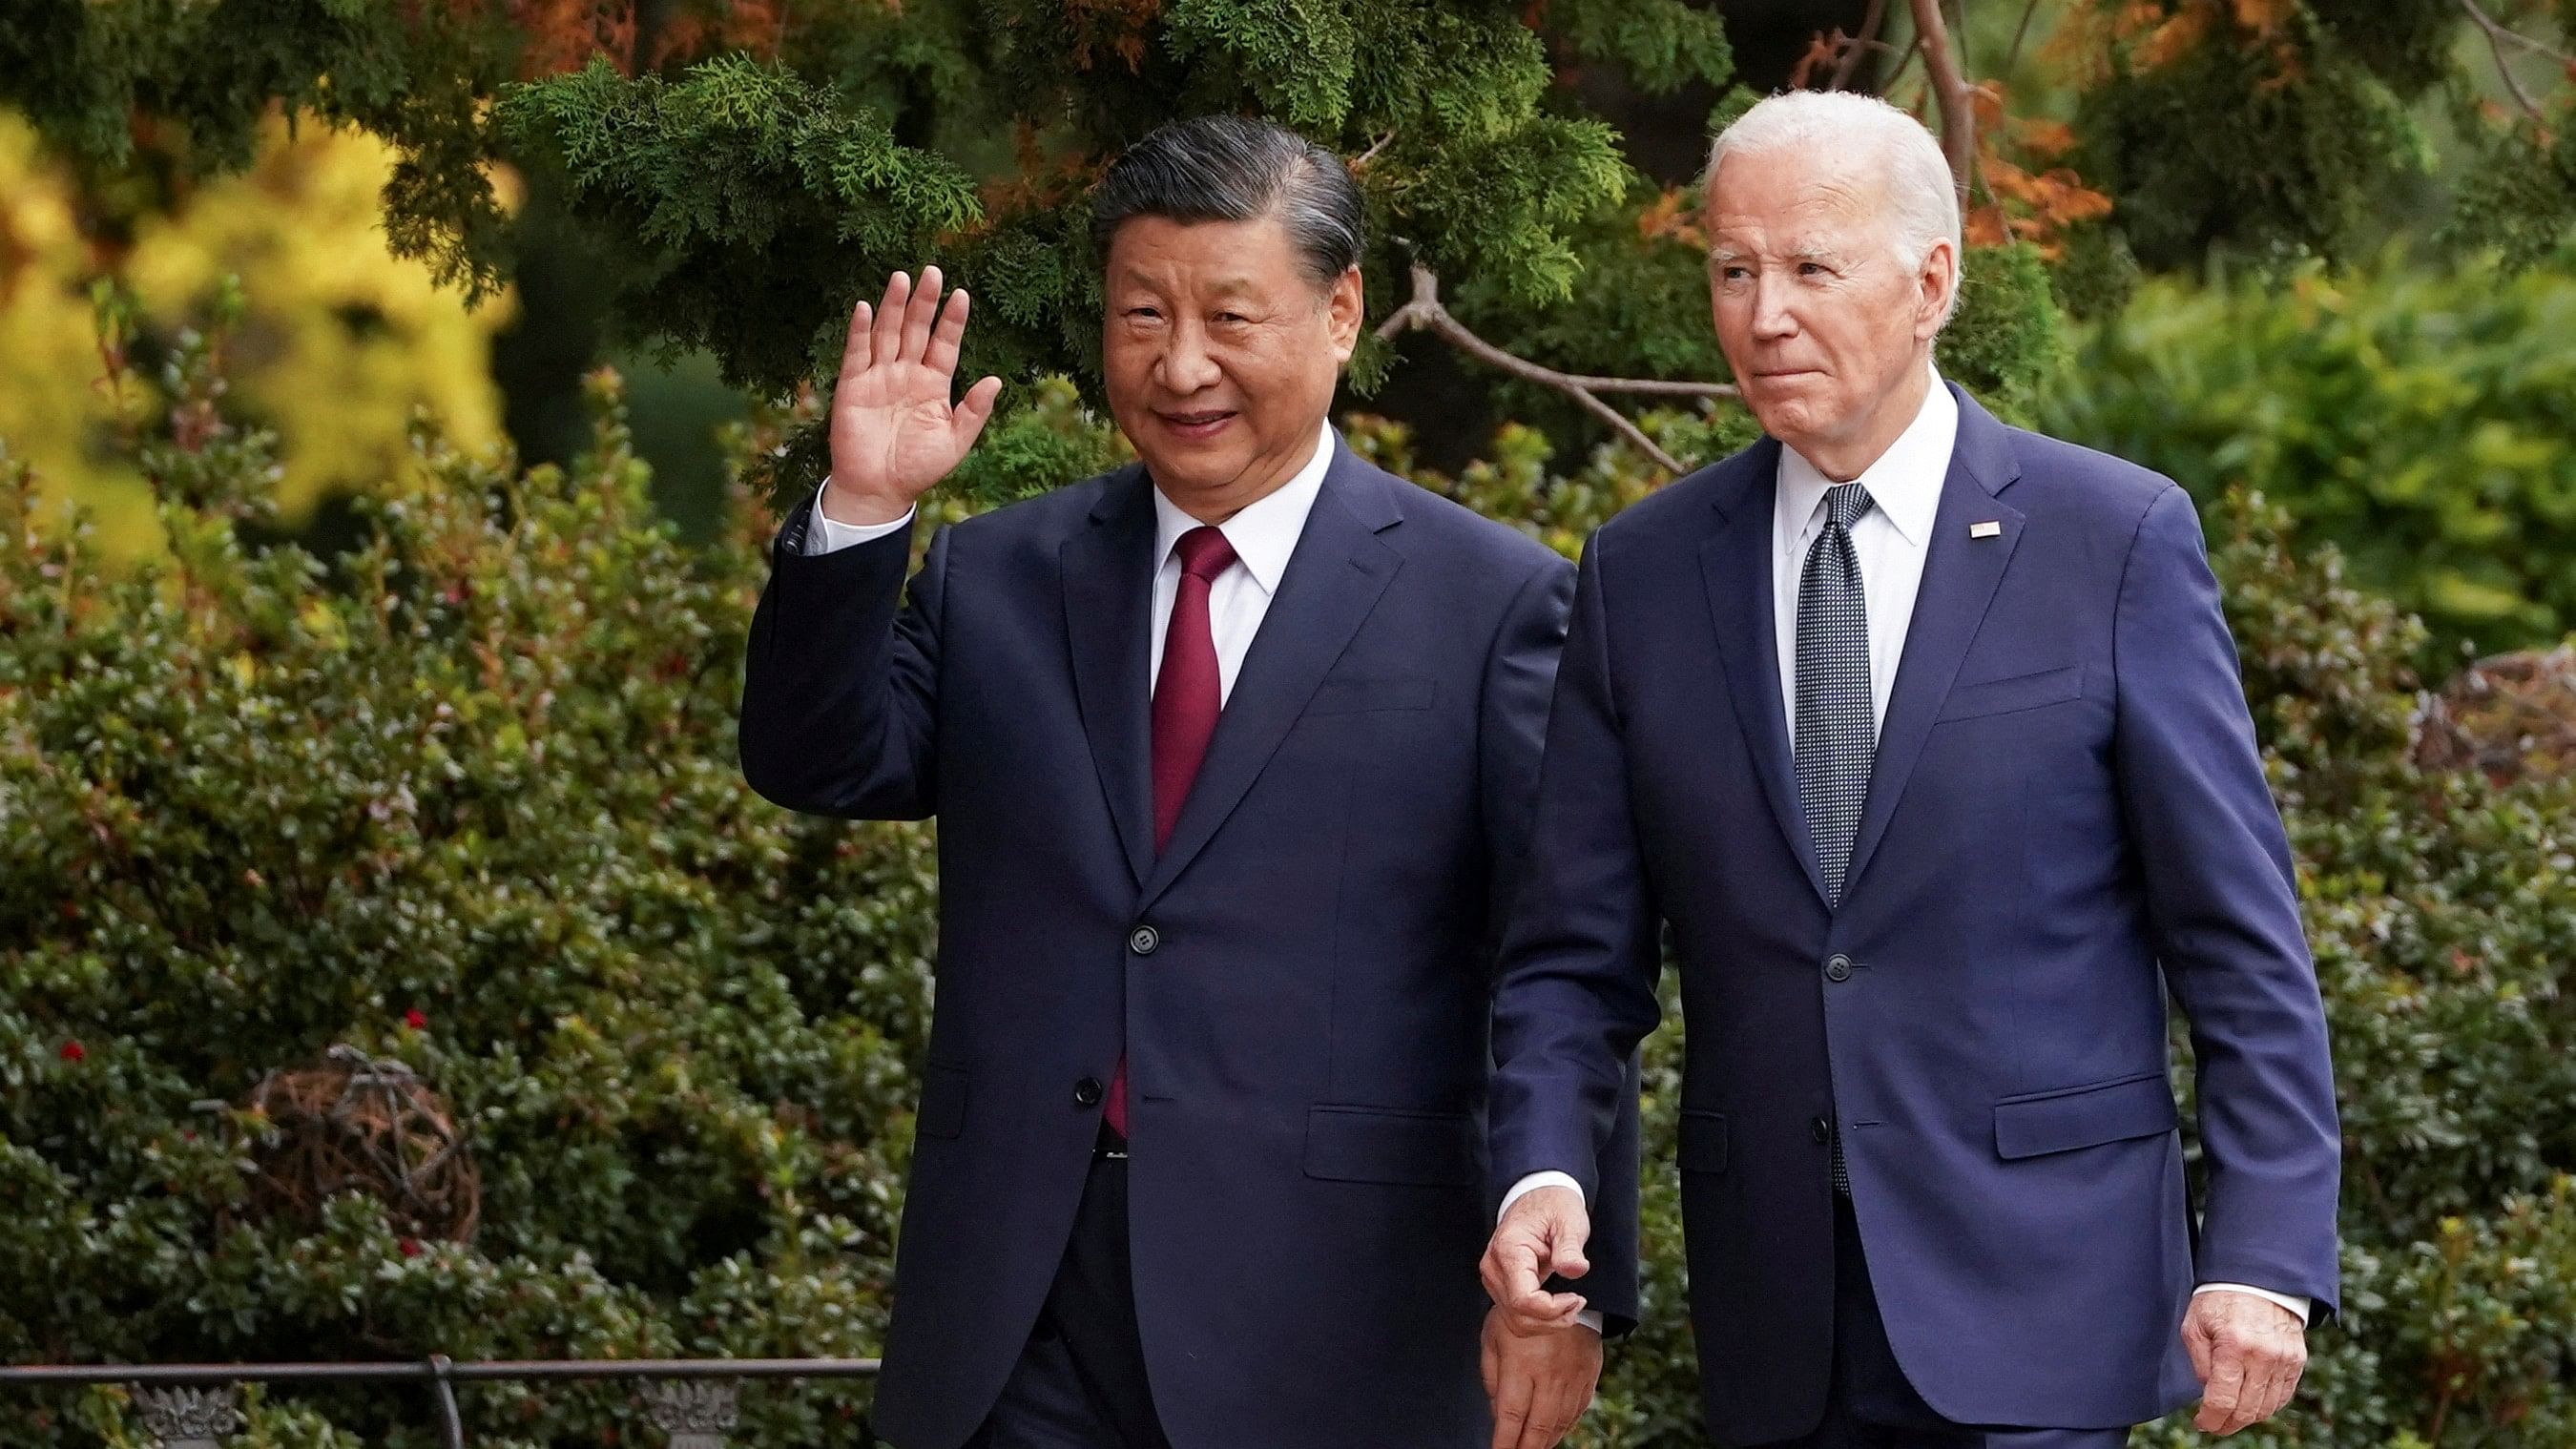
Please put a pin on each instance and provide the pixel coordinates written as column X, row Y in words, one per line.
column 894, row 431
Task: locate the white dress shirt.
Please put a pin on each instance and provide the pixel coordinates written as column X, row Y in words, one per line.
column 1891, row 542
column 1263, row 534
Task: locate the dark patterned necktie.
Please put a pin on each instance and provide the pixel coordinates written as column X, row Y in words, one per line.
column 1188, row 696
column 1837, row 732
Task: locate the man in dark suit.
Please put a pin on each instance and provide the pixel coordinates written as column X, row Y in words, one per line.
column 1233, row 753
column 1924, row 737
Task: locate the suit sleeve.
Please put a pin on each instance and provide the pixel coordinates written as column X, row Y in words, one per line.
column 2223, row 911
column 1575, row 987
column 1520, row 678
column 841, row 682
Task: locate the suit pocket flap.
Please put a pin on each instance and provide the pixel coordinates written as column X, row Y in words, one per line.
column 1351, row 696
column 1380, row 1144
column 1702, row 1145
column 2060, row 1121
column 943, row 1101
column 2021, row 691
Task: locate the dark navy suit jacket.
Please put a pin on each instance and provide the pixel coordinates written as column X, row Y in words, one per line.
column 2066, row 821
column 1302, row 980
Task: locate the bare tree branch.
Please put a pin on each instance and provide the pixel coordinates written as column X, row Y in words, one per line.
column 1861, row 40
column 1424, row 313
column 2497, row 35
column 2020, row 33
column 1896, row 72
column 1949, row 91
column 2496, row 31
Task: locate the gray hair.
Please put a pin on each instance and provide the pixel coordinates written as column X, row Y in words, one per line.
column 1923, row 198
column 1230, row 168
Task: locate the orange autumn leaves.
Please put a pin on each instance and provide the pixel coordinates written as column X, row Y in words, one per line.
column 2022, row 193
column 562, row 35
column 2143, row 36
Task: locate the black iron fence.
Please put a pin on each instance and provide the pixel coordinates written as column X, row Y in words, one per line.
column 194, row 1406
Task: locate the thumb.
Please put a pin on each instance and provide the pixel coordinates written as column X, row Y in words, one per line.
column 1571, row 1231
column 973, row 411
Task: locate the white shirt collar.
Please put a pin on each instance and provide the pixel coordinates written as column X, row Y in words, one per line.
column 1265, row 532
column 1905, row 482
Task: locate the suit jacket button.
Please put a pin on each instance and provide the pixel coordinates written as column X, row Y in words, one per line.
column 1822, row 1129
column 1143, row 940
column 1086, row 1093
column 1838, row 968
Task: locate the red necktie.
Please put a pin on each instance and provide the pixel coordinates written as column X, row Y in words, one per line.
column 1187, row 699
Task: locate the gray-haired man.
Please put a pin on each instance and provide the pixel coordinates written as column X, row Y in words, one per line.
column 1924, row 736
column 1233, row 753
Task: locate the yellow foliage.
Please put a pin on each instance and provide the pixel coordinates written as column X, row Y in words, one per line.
column 341, row 341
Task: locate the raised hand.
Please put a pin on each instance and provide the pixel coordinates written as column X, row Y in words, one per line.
column 894, row 430
column 1542, row 1235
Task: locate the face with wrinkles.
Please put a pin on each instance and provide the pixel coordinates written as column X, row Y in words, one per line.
column 1827, row 330
column 1221, row 355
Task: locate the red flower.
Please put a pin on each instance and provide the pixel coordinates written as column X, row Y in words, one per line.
column 416, row 1019
column 411, row 1247
column 73, row 1051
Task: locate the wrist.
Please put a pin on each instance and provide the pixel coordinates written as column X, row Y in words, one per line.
column 860, row 510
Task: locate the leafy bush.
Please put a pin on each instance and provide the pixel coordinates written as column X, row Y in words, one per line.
column 2425, row 424
column 465, row 798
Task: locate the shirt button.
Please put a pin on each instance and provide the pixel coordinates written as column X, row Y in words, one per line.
column 1143, row 940
column 1838, row 968
column 1822, row 1129
column 1086, row 1093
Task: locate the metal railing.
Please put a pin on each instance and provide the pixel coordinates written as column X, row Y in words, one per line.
column 194, row 1406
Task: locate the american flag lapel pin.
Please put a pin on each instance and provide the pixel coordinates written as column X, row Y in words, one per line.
column 1991, row 528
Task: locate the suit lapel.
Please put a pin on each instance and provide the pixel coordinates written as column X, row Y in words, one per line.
column 1332, row 581
column 1960, row 574
column 1108, row 571
column 1736, row 570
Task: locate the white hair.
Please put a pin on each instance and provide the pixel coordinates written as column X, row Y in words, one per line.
column 1922, row 197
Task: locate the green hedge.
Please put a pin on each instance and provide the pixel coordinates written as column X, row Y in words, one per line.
column 2424, row 423
column 482, row 770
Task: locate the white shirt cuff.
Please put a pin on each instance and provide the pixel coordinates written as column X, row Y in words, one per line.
column 1532, row 1183
column 1589, row 1317
column 2290, row 1301
column 829, row 536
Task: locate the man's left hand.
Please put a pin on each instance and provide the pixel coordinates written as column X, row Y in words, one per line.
column 1539, row 1379
column 2249, row 1353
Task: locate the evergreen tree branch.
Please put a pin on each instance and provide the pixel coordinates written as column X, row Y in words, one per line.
column 1424, row 313
column 1950, row 92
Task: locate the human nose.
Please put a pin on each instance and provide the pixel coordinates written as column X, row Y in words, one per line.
column 1185, row 365
column 1772, row 317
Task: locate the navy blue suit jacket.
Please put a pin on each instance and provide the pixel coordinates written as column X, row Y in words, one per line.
column 1302, row 980
column 2067, row 819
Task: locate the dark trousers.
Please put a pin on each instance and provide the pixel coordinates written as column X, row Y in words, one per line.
column 1871, row 1404
column 1080, row 1382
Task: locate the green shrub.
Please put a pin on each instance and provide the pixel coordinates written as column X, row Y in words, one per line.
column 2425, row 424
column 465, row 798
